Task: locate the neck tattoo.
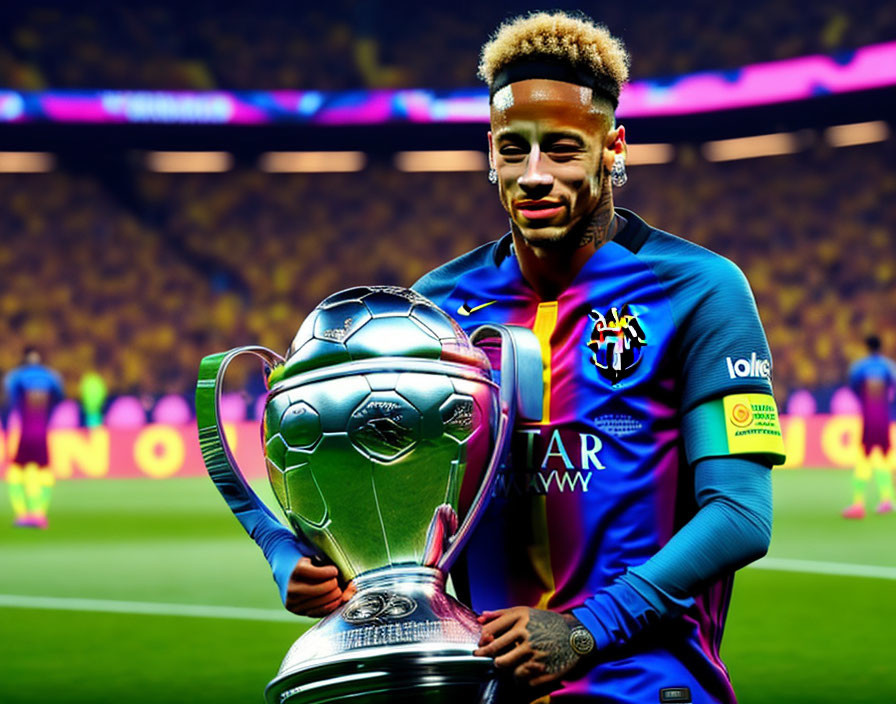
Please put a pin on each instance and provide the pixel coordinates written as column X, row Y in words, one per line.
column 600, row 229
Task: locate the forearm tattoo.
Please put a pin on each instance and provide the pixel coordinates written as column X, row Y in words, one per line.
column 549, row 633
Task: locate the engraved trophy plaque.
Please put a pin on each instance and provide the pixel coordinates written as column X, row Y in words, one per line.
column 383, row 432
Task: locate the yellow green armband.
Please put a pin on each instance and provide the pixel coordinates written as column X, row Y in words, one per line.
column 739, row 424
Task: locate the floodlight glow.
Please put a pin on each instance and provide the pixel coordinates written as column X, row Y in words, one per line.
column 26, row 162
column 189, row 162
column 751, row 147
column 642, row 154
column 857, row 133
column 312, row 162
column 449, row 160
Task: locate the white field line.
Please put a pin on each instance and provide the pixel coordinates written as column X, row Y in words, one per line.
column 145, row 607
column 844, row 569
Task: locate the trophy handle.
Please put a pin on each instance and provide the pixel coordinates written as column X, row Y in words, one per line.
column 521, row 393
column 219, row 460
column 522, row 368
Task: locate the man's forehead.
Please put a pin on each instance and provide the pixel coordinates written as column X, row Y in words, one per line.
column 544, row 99
column 541, row 90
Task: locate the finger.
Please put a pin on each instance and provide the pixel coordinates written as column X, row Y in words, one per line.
column 306, row 567
column 528, row 670
column 296, row 597
column 514, row 658
column 307, row 572
column 304, row 590
column 302, row 609
column 501, row 624
column 487, row 616
column 349, row 592
column 504, row 642
column 322, row 611
column 335, row 594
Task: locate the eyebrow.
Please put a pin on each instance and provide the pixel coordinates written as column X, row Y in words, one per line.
column 564, row 135
column 556, row 135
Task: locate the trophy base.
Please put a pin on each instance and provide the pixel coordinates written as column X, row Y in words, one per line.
column 399, row 639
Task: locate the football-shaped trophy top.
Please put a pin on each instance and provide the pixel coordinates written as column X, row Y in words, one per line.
column 377, row 428
column 367, row 322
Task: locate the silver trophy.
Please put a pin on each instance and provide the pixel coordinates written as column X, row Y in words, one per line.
column 383, row 433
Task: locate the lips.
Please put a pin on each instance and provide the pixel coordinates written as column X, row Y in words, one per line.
column 538, row 209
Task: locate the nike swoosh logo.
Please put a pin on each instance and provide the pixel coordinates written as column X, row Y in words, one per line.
column 465, row 309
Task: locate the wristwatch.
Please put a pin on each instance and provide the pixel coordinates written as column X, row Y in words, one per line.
column 581, row 641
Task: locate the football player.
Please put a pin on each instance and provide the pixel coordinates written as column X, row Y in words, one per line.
column 32, row 389
column 604, row 564
column 873, row 379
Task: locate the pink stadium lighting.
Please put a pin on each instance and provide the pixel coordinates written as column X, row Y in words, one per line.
column 172, row 410
column 766, row 83
column 801, row 403
column 233, row 407
column 844, row 402
column 258, row 407
column 66, row 415
column 801, row 78
column 126, row 412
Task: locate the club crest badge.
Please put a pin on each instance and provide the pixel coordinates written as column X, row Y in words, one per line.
column 617, row 343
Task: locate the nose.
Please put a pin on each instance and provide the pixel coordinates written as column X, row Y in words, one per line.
column 535, row 177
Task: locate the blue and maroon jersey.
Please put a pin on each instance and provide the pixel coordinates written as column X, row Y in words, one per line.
column 32, row 391
column 873, row 379
column 654, row 357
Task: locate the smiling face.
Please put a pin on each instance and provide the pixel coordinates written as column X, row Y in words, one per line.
column 547, row 144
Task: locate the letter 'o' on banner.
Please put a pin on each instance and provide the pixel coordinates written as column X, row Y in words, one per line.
column 159, row 451
column 841, row 439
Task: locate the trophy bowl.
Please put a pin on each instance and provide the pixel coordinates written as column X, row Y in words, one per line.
column 383, row 431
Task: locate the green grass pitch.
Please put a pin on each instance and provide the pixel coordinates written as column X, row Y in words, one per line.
column 793, row 635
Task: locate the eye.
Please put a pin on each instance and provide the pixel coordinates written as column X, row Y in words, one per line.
column 511, row 151
column 564, row 150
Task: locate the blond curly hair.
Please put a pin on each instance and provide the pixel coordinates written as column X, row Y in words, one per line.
column 577, row 40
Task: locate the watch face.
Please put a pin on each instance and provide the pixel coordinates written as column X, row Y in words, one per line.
column 581, row 640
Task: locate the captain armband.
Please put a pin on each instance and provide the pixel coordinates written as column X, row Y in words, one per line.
column 738, row 424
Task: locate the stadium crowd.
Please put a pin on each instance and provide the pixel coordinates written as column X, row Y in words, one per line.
column 214, row 261
column 343, row 45
column 93, row 288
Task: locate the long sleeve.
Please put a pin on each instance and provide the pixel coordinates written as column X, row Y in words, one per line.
column 731, row 528
column 280, row 546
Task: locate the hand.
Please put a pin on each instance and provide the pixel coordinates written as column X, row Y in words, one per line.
column 315, row 590
column 532, row 643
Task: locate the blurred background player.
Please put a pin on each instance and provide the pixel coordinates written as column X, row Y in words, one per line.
column 873, row 379
column 32, row 390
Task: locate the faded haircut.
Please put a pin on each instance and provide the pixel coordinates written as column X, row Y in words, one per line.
column 576, row 40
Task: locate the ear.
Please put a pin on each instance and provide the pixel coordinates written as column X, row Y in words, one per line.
column 620, row 145
column 491, row 151
column 614, row 144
